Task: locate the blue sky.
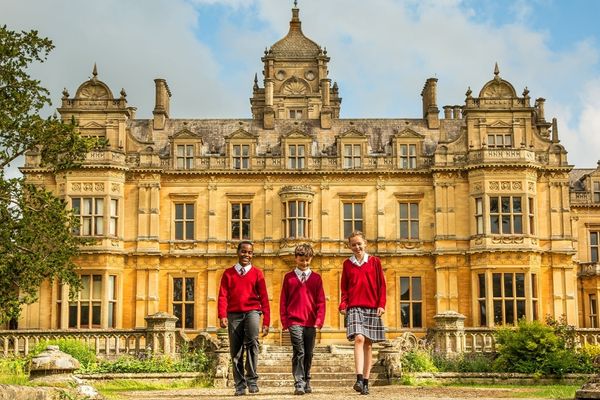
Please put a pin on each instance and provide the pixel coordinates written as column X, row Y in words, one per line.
column 382, row 51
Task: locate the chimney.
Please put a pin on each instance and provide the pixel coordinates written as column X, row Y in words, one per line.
column 161, row 106
column 430, row 108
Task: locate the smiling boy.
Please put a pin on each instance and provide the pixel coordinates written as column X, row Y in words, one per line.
column 242, row 299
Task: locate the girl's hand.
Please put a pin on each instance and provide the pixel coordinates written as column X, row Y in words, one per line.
column 343, row 312
column 380, row 311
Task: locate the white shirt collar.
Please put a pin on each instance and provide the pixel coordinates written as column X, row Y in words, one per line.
column 238, row 267
column 299, row 273
column 354, row 261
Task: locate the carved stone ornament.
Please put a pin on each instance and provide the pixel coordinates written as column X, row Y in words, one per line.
column 88, row 187
column 507, row 240
column 94, row 92
column 99, row 187
column 115, row 187
column 494, row 185
column 295, row 86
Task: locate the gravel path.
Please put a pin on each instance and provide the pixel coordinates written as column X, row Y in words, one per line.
column 378, row 392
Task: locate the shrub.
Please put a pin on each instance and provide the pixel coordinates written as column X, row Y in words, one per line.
column 75, row 348
column 465, row 362
column 418, row 361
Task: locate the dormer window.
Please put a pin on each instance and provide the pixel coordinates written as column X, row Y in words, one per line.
column 499, row 140
column 408, row 156
column 185, row 156
column 241, row 156
column 296, row 156
column 596, row 191
column 352, row 155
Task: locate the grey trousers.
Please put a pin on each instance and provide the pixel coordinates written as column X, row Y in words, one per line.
column 303, row 344
column 243, row 338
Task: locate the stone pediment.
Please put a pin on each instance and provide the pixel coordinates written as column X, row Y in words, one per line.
column 296, row 134
column 241, row 134
column 353, row 133
column 94, row 90
column 186, row 134
column 93, row 125
column 498, row 88
column 500, row 124
column 408, row 133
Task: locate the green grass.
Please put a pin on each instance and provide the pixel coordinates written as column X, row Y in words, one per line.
column 528, row 391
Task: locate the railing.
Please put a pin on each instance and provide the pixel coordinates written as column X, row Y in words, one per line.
column 480, row 340
column 588, row 269
column 584, row 198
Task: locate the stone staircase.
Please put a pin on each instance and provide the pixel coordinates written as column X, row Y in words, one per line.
column 333, row 366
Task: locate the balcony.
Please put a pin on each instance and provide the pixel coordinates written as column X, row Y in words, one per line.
column 586, row 269
column 584, row 198
column 501, row 155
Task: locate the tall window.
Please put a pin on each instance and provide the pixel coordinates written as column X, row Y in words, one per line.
column 409, row 220
column 241, row 156
column 481, row 300
column 297, row 219
column 296, row 113
column 531, row 212
column 499, row 140
column 353, row 218
column 408, row 156
column 114, row 217
column 506, row 215
column 411, row 302
column 184, row 221
column 240, row 221
column 296, row 156
column 596, row 192
column 183, row 302
column 90, row 211
column 185, row 156
column 85, row 311
column 508, row 297
column 594, row 246
column 352, row 156
column 479, row 215
column 593, row 311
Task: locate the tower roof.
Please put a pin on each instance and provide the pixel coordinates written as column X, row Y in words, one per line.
column 295, row 44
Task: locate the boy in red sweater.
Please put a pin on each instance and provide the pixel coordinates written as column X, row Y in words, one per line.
column 302, row 311
column 242, row 299
column 363, row 304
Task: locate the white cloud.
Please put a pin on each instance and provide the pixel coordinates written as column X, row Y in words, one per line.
column 381, row 54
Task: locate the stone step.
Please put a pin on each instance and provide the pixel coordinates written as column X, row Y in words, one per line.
column 317, row 368
column 317, row 376
column 334, row 382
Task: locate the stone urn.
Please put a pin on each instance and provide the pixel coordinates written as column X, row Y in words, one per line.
column 52, row 365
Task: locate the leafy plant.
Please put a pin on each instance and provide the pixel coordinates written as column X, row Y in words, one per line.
column 418, row 360
column 75, row 348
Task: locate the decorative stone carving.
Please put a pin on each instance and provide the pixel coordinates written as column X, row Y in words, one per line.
column 494, row 185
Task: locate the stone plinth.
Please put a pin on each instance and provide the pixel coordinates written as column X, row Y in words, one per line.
column 52, row 365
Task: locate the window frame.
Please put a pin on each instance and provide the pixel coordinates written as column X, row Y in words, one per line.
column 296, row 160
column 511, row 214
column 181, row 323
column 241, row 220
column 409, row 220
column 594, row 245
column 496, row 135
column 406, row 159
column 239, row 160
column 292, row 222
column 184, row 220
column 187, row 159
column 356, row 224
column 351, row 160
column 96, row 230
column 411, row 302
column 106, row 302
column 596, row 191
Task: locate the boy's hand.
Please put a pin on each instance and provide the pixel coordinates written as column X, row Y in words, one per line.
column 265, row 331
column 380, row 311
column 223, row 322
column 343, row 312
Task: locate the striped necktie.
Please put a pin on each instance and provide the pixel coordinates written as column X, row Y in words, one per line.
column 242, row 271
column 303, row 277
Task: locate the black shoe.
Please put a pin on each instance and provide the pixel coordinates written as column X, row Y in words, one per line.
column 240, row 392
column 253, row 389
column 299, row 391
column 365, row 389
column 307, row 388
column 358, row 386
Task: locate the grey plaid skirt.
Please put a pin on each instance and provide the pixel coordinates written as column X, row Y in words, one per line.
column 364, row 321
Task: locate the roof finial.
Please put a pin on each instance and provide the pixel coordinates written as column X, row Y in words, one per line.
column 95, row 71
column 496, row 70
column 295, row 3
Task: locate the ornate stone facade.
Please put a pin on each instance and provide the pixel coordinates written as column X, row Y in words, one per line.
column 477, row 213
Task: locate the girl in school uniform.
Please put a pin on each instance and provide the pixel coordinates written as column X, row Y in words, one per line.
column 363, row 304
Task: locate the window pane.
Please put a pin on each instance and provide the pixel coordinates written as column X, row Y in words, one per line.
column 87, row 206
column 235, row 229
column 96, row 314
column 301, row 225
column 414, row 211
column 292, row 150
column 417, row 320
column 246, row 211
column 177, row 289
column 403, row 210
column 405, row 314
column 85, row 287
column 178, row 211
column 189, row 211
column 99, row 221
column 404, row 230
column 534, row 286
column 189, row 150
column 494, row 224
column 347, row 150
column 76, row 205
column 482, row 313
column 497, row 284
column 235, row 211
column 347, row 211
column 301, row 209
column 358, row 211
column 189, row 316
column 111, row 315
column 358, row 226
column 179, row 230
column 478, row 206
column 189, row 289
column 404, row 288
column 73, row 315
column 292, row 232
column 301, row 150
column 347, row 228
column 245, row 230
column 518, row 221
column 493, row 204
column 505, row 204
column 481, row 278
column 84, row 320
column 177, row 313
column 506, row 224
column 189, row 230
column 498, row 312
column 508, row 140
column 594, row 238
column 113, row 207
column 292, row 207
column 510, row 312
column 517, row 205
column 414, row 230
column 416, row 288
column 100, row 206
column 594, row 254
column 508, row 285
column 97, row 287
column 180, row 150
column 112, row 285
column 520, row 309
column 520, row 284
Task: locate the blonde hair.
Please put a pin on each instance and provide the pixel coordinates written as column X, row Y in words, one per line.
column 357, row 233
column 304, row 249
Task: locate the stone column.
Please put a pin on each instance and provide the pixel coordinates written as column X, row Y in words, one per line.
column 160, row 334
column 449, row 336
